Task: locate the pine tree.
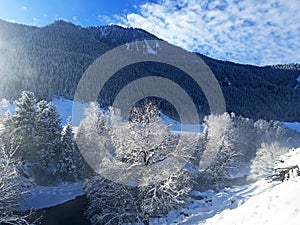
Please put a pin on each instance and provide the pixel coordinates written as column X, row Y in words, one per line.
column 70, row 163
column 48, row 126
column 23, row 126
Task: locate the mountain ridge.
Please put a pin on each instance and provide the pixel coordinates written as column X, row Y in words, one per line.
column 52, row 59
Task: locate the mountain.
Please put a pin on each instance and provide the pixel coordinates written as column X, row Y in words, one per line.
column 50, row 61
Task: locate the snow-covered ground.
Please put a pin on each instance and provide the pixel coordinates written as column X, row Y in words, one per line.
column 263, row 202
column 276, row 204
column 39, row 197
column 176, row 127
column 64, row 108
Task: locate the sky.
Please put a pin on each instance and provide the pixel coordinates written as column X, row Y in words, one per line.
column 257, row 32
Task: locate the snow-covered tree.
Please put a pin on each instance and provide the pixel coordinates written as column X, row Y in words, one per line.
column 267, row 154
column 220, row 154
column 271, row 144
column 70, row 163
column 161, row 197
column 35, row 131
column 9, row 187
column 111, row 203
column 245, row 136
column 92, row 135
column 143, row 141
column 23, row 126
column 48, row 133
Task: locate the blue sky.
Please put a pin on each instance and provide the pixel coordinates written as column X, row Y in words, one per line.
column 82, row 12
column 259, row 32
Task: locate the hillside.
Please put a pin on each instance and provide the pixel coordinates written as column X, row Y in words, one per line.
column 50, row 61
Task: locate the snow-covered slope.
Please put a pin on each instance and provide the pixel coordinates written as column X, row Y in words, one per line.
column 263, row 202
column 278, row 204
column 64, row 108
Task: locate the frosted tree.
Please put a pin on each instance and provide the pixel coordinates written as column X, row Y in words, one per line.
column 143, row 141
column 6, row 131
column 23, row 126
column 70, row 163
column 271, row 144
column 92, row 135
column 245, row 135
column 9, row 187
column 267, row 155
column 48, row 133
column 220, row 155
column 161, row 197
column 111, row 203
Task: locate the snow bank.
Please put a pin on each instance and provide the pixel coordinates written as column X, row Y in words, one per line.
column 277, row 205
column 292, row 158
column 40, row 197
column 263, row 202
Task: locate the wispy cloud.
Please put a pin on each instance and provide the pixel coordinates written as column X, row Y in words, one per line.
column 104, row 19
column 35, row 21
column 24, row 8
column 244, row 31
column 75, row 18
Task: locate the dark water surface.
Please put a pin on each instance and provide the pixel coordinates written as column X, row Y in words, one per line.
column 68, row 213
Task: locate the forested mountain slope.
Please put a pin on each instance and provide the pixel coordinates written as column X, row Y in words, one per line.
column 51, row 60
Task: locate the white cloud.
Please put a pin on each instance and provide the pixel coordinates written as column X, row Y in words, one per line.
column 35, row 21
column 104, row 19
column 24, row 8
column 75, row 18
column 245, row 31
